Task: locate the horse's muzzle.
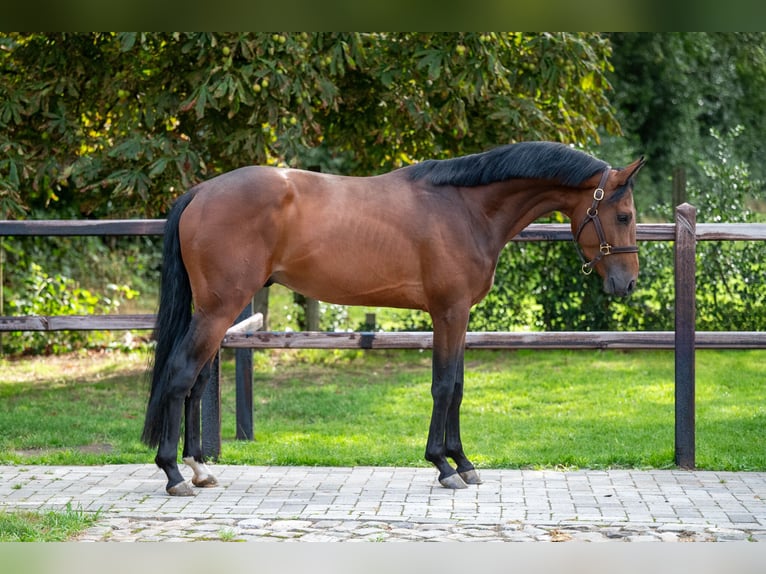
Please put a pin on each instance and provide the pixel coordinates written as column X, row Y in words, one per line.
column 619, row 286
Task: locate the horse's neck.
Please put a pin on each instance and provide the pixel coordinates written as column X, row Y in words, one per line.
column 514, row 204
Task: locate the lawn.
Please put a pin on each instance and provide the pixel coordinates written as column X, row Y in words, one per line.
column 50, row 526
column 551, row 409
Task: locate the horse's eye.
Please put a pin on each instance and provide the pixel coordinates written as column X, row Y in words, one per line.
column 623, row 218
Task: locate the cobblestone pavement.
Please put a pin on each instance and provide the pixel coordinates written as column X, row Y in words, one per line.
column 399, row 504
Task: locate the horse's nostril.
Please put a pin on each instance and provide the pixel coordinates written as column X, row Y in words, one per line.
column 615, row 286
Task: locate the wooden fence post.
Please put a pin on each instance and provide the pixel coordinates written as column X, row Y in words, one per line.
column 244, row 382
column 211, row 412
column 211, row 398
column 685, row 325
column 312, row 314
column 261, row 305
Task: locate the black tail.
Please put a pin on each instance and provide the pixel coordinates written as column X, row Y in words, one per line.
column 173, row 319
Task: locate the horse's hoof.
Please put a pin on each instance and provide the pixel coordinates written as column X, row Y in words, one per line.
column 205, row 482
column 202, row 476
column 181, row 489
column 453, row 481
column 470, row 476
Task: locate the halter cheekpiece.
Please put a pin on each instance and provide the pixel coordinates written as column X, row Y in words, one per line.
column 592, row 215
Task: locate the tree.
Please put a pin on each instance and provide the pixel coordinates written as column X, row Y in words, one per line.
column 119, row 124
column 673, row 89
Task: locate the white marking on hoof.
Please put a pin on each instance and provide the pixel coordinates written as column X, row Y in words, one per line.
column 453, row 481
column 181, row 489
column 471, row 476
column 207, row 482
column 202, row 478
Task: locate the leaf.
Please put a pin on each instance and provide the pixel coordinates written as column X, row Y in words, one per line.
column 432, row 59
column 387, row 78
column 222, row 87
column 201, row 101
column 129, row 149
column 588, row 82
column 158, row 167
column 127, row 40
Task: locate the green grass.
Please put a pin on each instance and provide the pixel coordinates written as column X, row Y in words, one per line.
column 586, row 409
column 76, row 409
column 51, row 526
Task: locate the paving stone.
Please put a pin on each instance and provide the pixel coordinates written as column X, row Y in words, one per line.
column 392, row 504
column 252, row 523
column 318, row 537
column 589, row 537
column 284, row 525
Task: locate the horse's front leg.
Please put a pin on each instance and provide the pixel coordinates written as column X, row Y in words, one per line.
column 454, row 443
column 449, row 340
column 192, row 453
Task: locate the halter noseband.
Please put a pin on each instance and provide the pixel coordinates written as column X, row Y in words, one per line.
column 592, row 215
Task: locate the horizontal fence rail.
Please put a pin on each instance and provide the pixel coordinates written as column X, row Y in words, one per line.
column 403, row 339
column 77, row 323
column 685, row 232
column 82, row 227
column 533, row 232
column 494, row 340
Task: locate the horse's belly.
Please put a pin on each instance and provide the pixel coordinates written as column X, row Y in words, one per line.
column 367, row 289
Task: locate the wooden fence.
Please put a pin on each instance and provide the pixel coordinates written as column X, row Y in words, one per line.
column 684, row 340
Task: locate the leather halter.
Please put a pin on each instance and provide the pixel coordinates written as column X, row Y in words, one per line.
column 592, row 215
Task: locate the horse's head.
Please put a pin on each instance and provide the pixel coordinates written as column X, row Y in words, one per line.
column 604, row 227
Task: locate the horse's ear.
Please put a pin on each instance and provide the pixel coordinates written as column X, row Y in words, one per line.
column 627, row 172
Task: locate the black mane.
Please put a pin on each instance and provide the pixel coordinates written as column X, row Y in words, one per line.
column 534, row 160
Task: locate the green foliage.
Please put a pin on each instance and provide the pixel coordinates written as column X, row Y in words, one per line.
column 731, row 292
column 122, row 123
column 41, row 294
column 94, row 262
column 672, row 88
column 75, row 276
column 730, row 289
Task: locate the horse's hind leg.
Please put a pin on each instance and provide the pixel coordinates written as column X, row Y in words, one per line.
column 187, row 362
column 167, row 453
column 192, row 453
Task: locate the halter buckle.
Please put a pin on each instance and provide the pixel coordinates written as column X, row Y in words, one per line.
column 587, row 269
column 598, row 194
column 605, row 249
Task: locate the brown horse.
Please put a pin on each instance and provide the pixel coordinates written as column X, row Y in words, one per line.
column 426, row 236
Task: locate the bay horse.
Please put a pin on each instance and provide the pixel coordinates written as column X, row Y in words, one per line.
column 425, row 236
